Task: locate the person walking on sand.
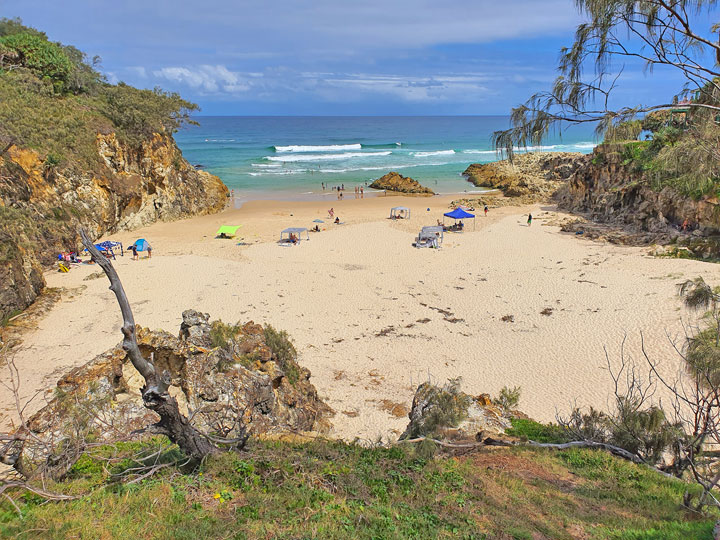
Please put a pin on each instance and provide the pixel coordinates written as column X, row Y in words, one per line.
column 149, row 250
column 331, row 212
column 134, row 252
column 529, row 219
column 486, row 210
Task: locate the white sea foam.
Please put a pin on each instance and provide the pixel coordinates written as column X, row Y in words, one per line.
column 266, row 165
column 436, row 153
column 321, row 148
column 283, row 171
column 479, row 152
column 570, row 146
column 326, row 157
column 278, row 172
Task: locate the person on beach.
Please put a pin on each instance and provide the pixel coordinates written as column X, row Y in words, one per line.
column 529, row 219
column 134, row 252
column 337, row 220
column 362, row 192
column 323, row 185
column 331, row 212
column 149, row 249
column 486, row 210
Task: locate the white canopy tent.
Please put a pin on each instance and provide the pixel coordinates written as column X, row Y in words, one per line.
column 402, row 212
column 297, row 231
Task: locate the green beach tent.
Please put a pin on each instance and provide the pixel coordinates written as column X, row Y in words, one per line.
column 228, row 230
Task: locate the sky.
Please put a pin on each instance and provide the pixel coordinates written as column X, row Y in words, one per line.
column 322, row 57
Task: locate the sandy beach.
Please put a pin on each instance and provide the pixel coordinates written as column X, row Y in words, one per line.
column 372, row 317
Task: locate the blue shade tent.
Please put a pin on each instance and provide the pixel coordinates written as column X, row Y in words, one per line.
column 459, row 213
column 108, row 246
column 142, row 245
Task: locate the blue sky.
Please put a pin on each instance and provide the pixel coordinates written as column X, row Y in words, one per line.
column 330, row 57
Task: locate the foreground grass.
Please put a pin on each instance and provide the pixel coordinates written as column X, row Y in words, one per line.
column 337, row 490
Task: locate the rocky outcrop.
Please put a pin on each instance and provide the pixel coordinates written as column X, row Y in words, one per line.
column 393, row 181
column 225, row 378
column 41, row 206
column 608, row 189
column 447, row 413
column 531, row 177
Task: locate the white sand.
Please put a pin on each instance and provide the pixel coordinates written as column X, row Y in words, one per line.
column 336, row 293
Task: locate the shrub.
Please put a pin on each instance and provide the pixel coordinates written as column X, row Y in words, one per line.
column 284, row 352
column 221, row 334
column 509, row 398
column 45, row 59
column 446, row 406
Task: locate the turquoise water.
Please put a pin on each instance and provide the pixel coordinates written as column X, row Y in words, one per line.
column 291, row 157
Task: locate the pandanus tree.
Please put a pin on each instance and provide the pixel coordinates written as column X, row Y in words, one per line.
column 680, row 35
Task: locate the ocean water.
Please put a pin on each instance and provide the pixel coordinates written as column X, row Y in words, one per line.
column 291, row 157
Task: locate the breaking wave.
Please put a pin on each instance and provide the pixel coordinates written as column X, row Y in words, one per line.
column 320, row 148
column 435, row 153
column 326, row 157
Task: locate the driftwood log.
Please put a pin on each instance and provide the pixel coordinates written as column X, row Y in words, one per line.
column 489, row 441
column 173, row 424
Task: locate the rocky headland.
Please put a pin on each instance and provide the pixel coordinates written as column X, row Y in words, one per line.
column 529, row 177
column 396, row 182
column 610, row 189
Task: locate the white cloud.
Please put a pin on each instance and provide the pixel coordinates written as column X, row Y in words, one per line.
column 137, row 71
column 277, row 83
column 207, row 78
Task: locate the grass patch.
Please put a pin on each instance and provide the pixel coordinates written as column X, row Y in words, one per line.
column 329, row 489
column 535, row 431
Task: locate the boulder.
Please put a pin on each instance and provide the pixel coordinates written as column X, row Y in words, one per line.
column 393, row 181
column 447, row 413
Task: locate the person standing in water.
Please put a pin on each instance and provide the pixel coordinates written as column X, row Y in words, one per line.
column 529, row 219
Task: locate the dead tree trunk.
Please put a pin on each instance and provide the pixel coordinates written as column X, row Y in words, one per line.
column 155, row 392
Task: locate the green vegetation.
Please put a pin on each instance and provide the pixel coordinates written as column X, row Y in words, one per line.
column 681, row 151
column 53, row 100
column 530, row 430
column 278, row 341
column 284, row 352
column 509, row 398
column 221, row 334
column 331, row 490
column 447, row 406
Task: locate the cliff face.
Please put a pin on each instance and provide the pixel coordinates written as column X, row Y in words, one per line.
column 532, row 177
column 612, row 191
column 393, row 181
column 41, row 206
